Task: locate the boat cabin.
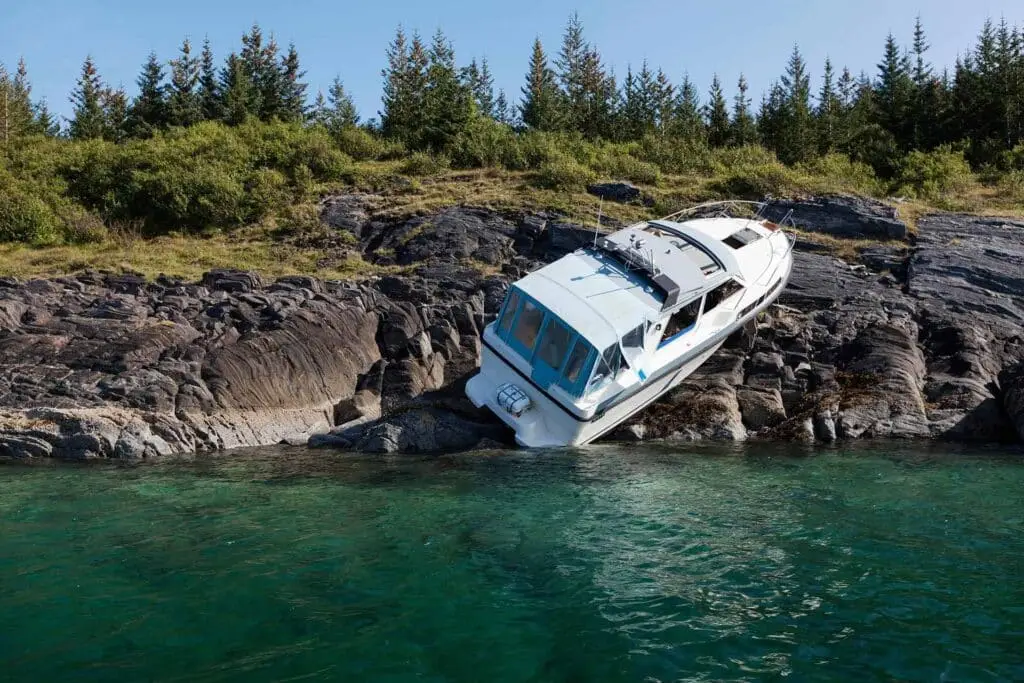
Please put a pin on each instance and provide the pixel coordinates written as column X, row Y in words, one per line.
column 578, row 324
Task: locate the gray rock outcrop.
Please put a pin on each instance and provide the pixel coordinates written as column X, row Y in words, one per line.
column 916, row 341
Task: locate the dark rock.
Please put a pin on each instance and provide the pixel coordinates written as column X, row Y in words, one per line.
column 841, row 216
column 616, row 192
column 118, row 367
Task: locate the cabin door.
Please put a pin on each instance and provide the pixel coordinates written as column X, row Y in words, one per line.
column 549, row 358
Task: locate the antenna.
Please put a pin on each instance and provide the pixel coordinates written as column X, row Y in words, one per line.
column 600, row 207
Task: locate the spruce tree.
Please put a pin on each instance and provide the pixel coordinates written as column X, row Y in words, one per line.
column 16, row 115
column 45, row 122
column 184, row 105
column 237, row 91
column 570, row 71
column 448, row 103
column 664, row 101
column 88, row 121
column 270, row 82
column 772, row 119
column 828, row 111
column 114, row 102
column 253, row 58
column 540, row 108
column 209, row 90
column 744, row 130
column 293, row 88
column 148, row 112
column 502, row 111
column 596, row 113
column 341, row 110
column 798, row 138
column 717, row 114
column 893, row 94
column 687, row 122
column 405, row 84
column 477, row 77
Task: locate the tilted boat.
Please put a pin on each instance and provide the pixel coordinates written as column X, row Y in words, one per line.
column 584, row 343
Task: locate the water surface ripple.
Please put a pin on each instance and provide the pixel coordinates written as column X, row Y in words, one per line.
column 608, row 564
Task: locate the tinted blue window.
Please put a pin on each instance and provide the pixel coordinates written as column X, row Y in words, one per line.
column 577, row 368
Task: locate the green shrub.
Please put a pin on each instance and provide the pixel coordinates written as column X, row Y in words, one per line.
column 360, row 144
column 1011, row 186
column 674, row 155
column 625, row 167
column 932, row 175
column 24, row 217
column 486, row 143
column 837, row 172
column 424, row 164
column 564, row 173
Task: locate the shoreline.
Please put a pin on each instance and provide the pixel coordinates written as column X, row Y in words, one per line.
column 914, row 341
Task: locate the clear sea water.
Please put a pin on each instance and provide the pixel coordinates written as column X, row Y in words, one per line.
column 887, row 562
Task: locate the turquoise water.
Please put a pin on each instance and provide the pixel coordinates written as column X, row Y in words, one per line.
column 609, row 564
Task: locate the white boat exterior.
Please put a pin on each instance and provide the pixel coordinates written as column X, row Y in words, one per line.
column 584, row 343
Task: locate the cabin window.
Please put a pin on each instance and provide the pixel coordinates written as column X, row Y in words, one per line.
column 682, row 320
column 634, row 339
column 509, row 313
column 577, row 368
column 720, row 293
column 554, row 344
column 528, row 325
column 742, row 238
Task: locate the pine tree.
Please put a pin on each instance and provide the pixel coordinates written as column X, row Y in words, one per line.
column 148, row 112
column 596, row 113
column 448, row 103
column 772, row 118
column 798, row 135
column 341, row 110
column 687, row 122
column 570, row 71
column 209, row 90
column 183, row 105
column 828, row 111
column 893, row 94
column 88, row 121
column 717, row 114
column 664, row 104
column 238, row 94
column 16, row 115
column 271, row 84
column 480, row 82
column 114, row 102
column 540, row 108
column 502, row 111
column 405, row 84
column 253, row 59
column 744, row 130
column 294, row 89
column 45, row 122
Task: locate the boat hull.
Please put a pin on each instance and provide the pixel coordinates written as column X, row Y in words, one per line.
column 548, row 423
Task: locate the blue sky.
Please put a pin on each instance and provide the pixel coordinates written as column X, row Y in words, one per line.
column 349, row 38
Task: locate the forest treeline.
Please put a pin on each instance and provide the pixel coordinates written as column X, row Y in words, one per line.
column 218, row 144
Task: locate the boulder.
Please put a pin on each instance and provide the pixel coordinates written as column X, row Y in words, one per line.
column 616, row 192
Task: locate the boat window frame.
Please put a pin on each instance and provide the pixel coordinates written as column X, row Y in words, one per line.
column 575, row 389
column 696, row 319
column 740, row 287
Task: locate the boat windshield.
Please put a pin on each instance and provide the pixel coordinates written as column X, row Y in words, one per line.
column 557, row 353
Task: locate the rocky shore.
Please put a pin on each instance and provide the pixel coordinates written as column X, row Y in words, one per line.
column 919, row 336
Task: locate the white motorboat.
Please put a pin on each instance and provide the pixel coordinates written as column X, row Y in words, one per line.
column 584, row 343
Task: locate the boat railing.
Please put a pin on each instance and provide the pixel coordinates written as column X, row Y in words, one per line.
column 729, row 208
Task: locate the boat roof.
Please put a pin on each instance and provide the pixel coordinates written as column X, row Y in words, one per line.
column 593, row 294
column 636, row 274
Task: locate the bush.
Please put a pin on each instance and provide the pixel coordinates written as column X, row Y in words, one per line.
column 625, row 167
column 485, row 142
column 932, row 175
column 836, row 172
column 361, row 145
column 564, row 173
column 424, row 164
column 24, row 217
column 675, row 156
